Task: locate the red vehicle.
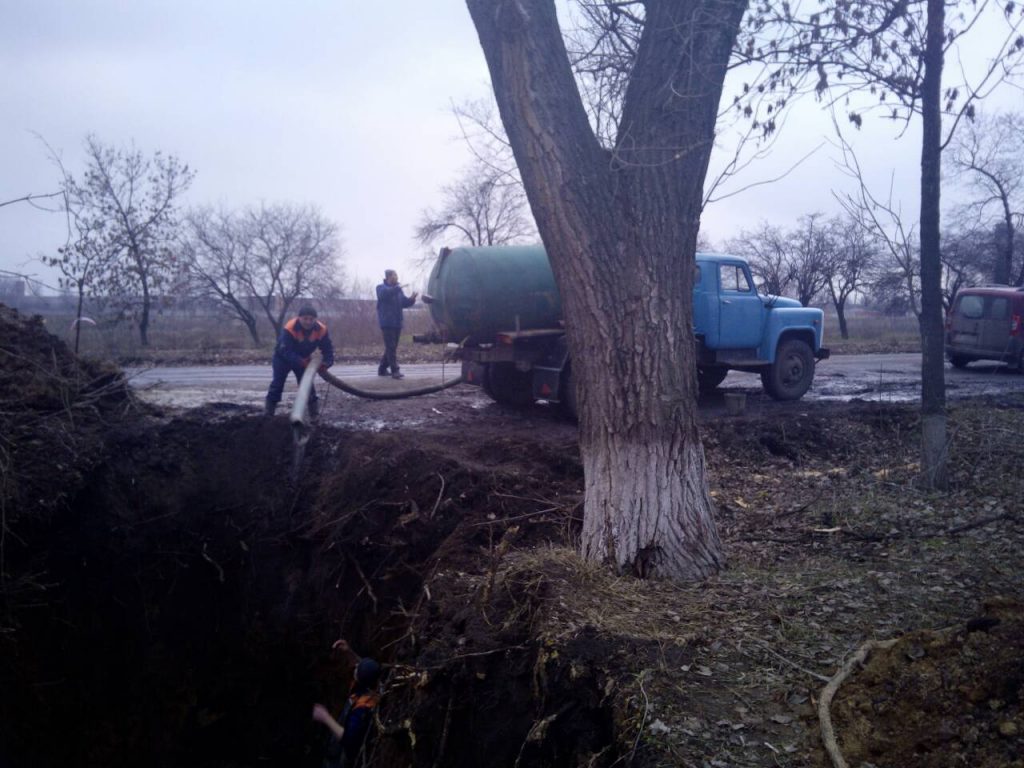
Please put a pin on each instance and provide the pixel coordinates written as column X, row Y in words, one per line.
column 986, row 323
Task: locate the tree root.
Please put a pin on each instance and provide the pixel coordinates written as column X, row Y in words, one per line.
column 828, row 735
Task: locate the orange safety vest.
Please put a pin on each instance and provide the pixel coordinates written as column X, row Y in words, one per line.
column 317, row 332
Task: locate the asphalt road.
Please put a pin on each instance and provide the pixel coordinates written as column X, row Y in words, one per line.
column 891, row 378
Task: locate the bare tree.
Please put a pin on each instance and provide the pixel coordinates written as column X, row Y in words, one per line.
column 855, row 256
column 86, row 256
column 83, row 263
column 125, row 208
column 812, row 249
column 220, row 261
column 797, row 259
column 966, row 259
column 602, row 41
column 485, row 207
column 883, row 219
column 989, row 155
column 294, row 251
column 620, row 225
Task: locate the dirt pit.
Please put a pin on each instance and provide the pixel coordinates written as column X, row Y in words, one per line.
column 170, row 593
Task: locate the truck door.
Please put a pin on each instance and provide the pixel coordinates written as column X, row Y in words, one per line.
column 995, row 325
column 965, row 328
column 740, row 309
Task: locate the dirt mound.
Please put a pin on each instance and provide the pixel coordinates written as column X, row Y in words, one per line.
column 54, row 409
column 940, row 698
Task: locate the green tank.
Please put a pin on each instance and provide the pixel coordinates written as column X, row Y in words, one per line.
column 476, row 292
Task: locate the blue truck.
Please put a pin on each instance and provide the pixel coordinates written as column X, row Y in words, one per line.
column 499, row 309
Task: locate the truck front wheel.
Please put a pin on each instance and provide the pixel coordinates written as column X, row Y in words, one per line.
column 790, row 376
column 508, row 385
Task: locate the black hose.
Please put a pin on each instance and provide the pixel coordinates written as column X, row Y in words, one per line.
column 370, row 395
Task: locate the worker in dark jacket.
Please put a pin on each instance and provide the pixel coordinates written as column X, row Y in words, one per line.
column 348, row 731
column 391, row 300
column 299, row 338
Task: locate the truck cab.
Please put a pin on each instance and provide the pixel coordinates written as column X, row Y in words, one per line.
column 736, row 328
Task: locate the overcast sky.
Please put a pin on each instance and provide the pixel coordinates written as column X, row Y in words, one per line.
column 343, row 104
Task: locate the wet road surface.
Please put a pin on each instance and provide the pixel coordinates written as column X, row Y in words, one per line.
column 882, row 378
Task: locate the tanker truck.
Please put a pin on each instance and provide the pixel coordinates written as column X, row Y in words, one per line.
column 500, row 312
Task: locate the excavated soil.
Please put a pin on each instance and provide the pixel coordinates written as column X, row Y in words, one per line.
column 170, row 587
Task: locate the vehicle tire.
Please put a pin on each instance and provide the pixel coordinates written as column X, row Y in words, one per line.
column 959, row 361
column 708, row 379
column 567, row 402
column 507, row 385
column 790, row 376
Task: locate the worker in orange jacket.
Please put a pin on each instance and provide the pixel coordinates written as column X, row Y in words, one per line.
column 299, row 338
column 348, row 731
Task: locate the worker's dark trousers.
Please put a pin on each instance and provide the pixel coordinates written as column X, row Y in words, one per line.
column 390, row 357
column 281, row 370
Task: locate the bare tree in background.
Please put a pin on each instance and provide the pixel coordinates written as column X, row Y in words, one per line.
column 484, row 207
column 83, row 263
column 855, row 256
column 295, row 252
column 967, row 258
column 797, row 259
column 812, row 249
column 989, row 155
column 220, row 262
column 884, row 220
column 125, row 207
column 86, row 255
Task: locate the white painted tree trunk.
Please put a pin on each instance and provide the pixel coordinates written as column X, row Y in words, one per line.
column 649, row 510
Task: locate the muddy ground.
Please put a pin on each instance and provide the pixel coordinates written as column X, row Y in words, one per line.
column 170, row 590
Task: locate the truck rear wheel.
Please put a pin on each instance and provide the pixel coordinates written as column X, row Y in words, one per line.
column 959, row 361
column 508, row 385
column 708, row 379
column 790, row 376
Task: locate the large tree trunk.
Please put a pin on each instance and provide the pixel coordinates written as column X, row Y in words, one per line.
column 933, row 383
column 620, row 227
